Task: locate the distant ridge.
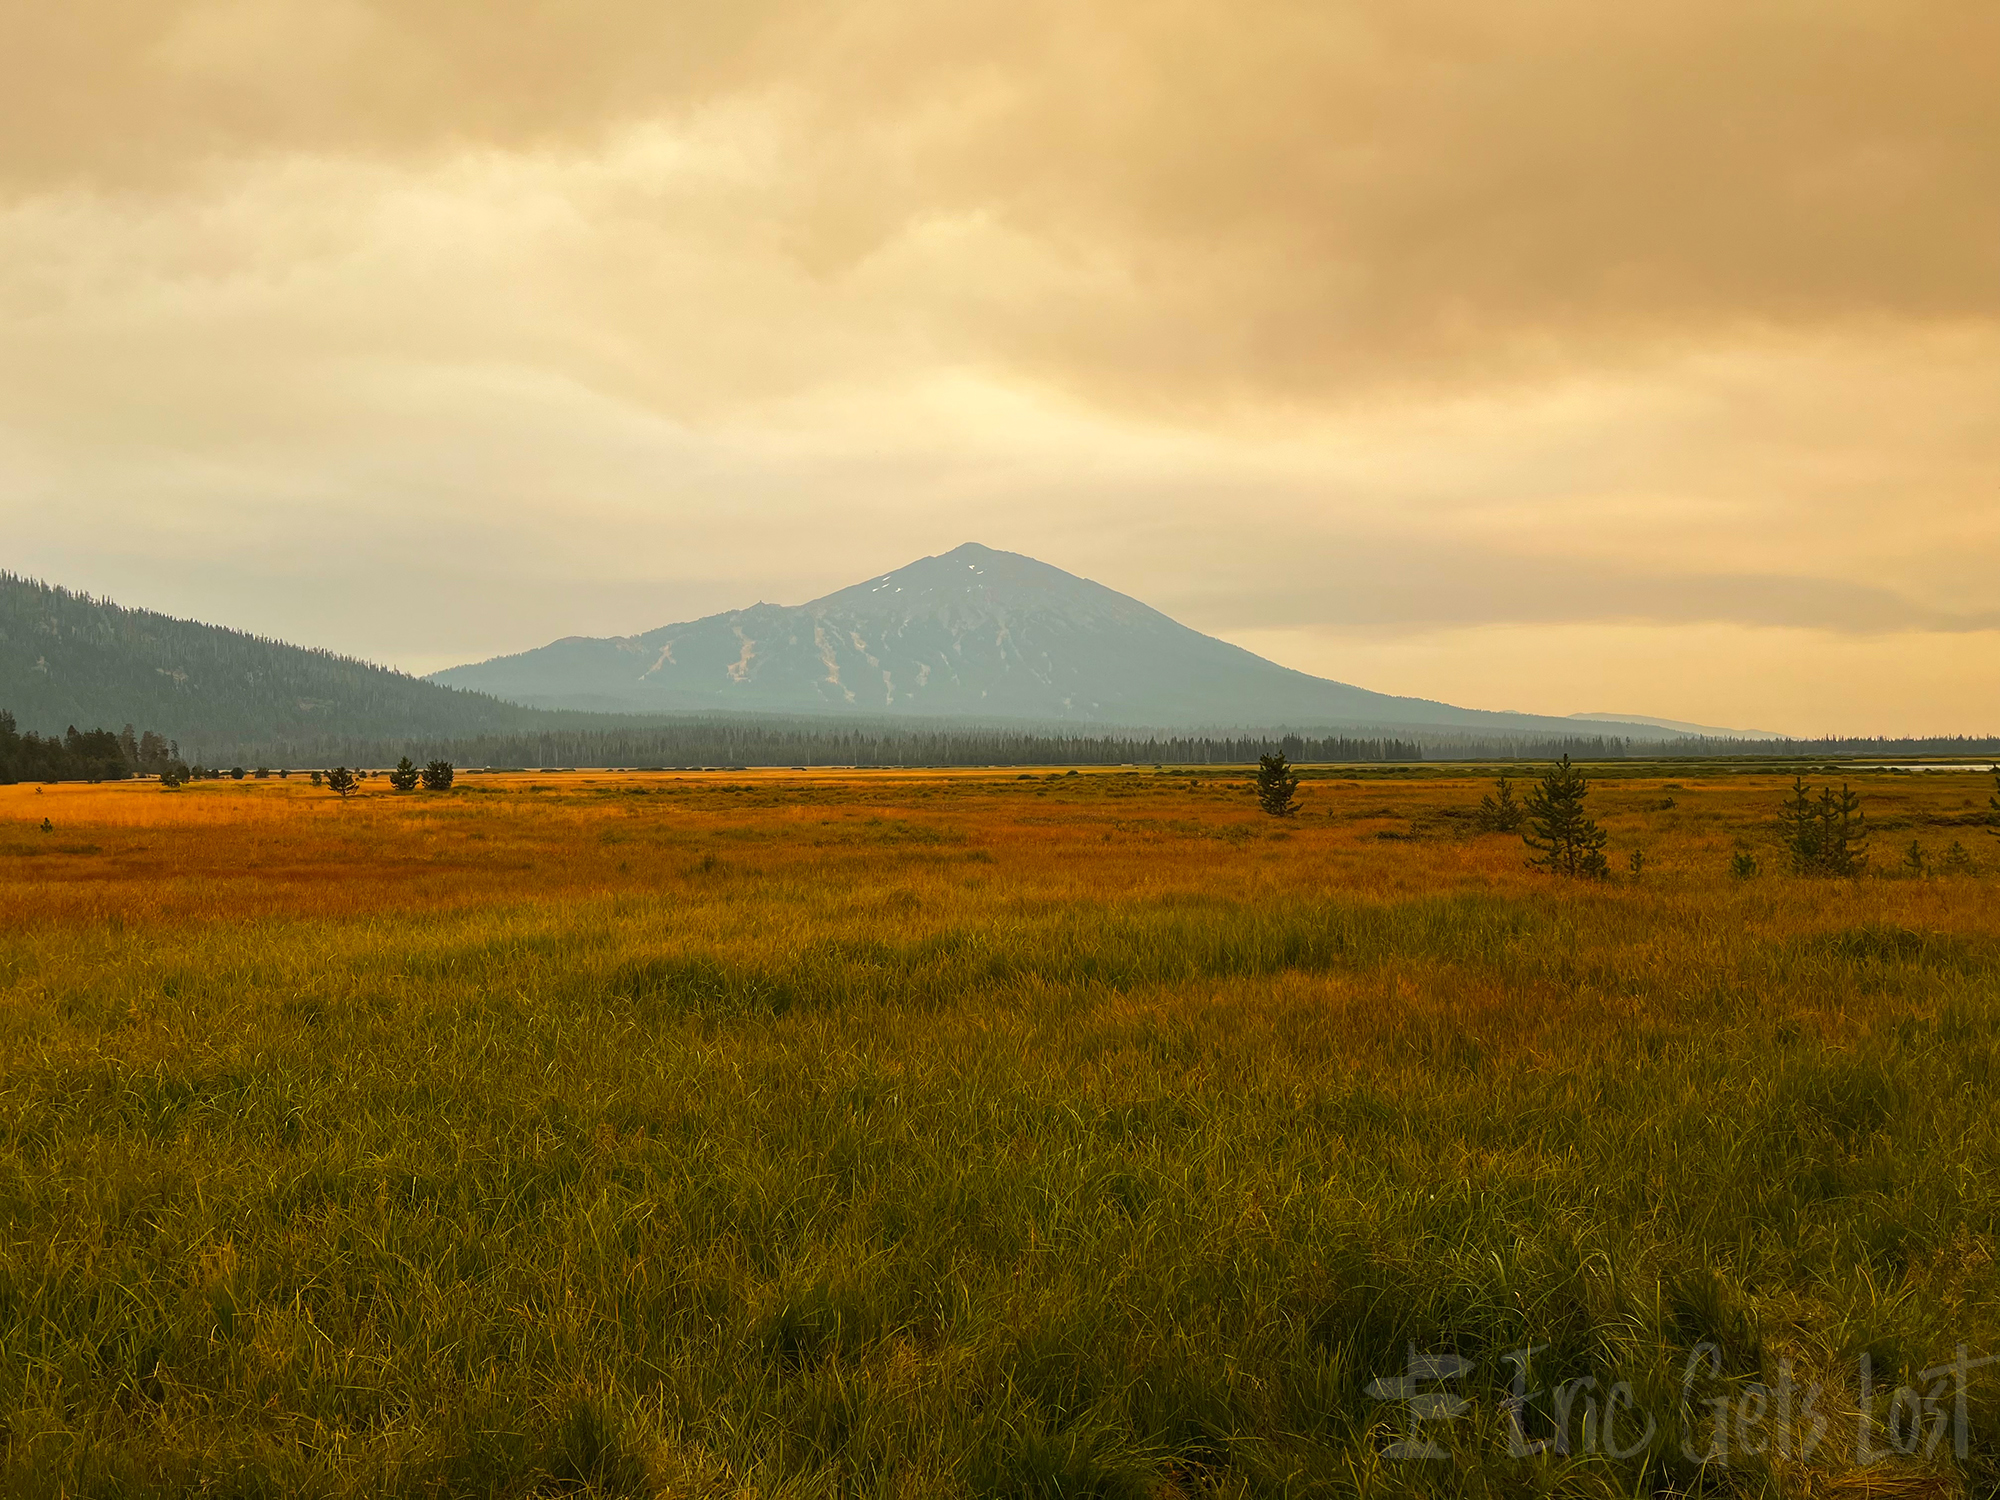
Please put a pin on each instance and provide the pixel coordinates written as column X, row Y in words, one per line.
column 66, row 658
column 974, row 632
column 1708, row 731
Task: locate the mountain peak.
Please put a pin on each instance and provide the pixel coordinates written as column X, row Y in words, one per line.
column 972, row 577
column 972, row 631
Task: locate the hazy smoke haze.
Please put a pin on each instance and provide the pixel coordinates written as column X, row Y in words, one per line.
column 1550, row 356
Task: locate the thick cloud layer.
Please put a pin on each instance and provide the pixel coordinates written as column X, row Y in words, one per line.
column 1458, row 349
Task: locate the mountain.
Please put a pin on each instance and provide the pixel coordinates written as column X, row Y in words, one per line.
column 70, row 659
column 974, row 633
column 1679, row 726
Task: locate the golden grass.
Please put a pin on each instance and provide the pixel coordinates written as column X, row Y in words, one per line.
column 961, row 1132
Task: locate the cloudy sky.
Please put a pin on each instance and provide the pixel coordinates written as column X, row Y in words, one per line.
column 1550, row 354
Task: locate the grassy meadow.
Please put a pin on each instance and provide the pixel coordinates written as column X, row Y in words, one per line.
column 987, row 1134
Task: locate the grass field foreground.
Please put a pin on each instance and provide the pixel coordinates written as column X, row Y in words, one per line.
column 798, row 1134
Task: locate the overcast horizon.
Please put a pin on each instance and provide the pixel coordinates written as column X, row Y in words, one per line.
column 1565, row 358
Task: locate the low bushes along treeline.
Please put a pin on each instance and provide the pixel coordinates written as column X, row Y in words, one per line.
column 407, row 777
column 104, row 755
column 1824, row 834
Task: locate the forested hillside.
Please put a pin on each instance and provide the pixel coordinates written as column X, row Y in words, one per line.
column 69, row 659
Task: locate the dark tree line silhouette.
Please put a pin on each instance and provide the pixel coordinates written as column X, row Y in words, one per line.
column 748, row 740
column 82, row 755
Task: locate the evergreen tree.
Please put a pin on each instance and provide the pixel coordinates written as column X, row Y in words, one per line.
column 1798, row 821
column 1566, row 840
column 1276, row 785
column 1498, row 811
column 341, row 781
column 1843, row 840
column 1994, row 803
column 1825, row 835
column 404, row 777
column 437, row 776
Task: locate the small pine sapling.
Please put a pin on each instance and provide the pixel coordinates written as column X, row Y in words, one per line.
column 1798, row 821
column 1843, row 842
column 1277, row 785
column 1824, row 835
column 1498, row 811
column 1566, row 839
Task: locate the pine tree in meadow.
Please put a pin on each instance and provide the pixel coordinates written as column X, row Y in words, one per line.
column 1798, row 820
column 1843, row 838
column 342, row 782
column 404, row 777
column 1825, row 835
column 437, row 776
column 1498, row 811
column 1276, row 785
column 1566, row 840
